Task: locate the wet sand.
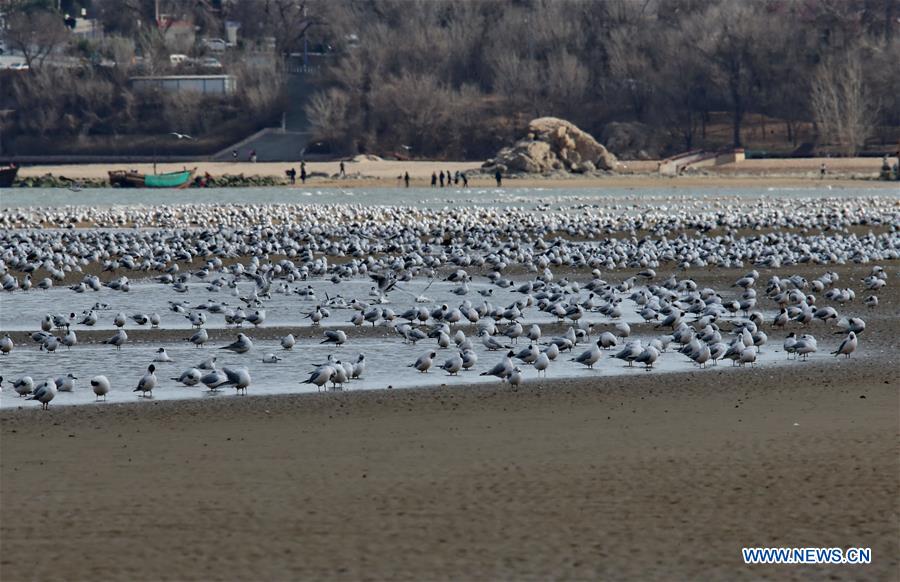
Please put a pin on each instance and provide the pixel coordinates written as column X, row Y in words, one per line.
column 576, row 480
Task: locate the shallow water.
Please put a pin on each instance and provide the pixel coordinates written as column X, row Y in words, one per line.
column 23, row 311
column 386, row 366
column 386, row 359
column 424, row 197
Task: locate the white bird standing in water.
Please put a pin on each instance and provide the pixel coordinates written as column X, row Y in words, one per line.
column 237, row 377
column 44, row 393
column 6, row 345
column 66, row 383
column 117, row 340
column 424, row 362
column 100, row 386
column 200, row 337
column 590, row 356
column 241, row 345
column 190, row 377
column 542, row 363
column 24, row 386
column 147, row 382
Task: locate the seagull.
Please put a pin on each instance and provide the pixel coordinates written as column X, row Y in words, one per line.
column 162, row 356
column 6, row 345
column 851, row 324
column 147, row 382
column 359, row 367
column 452, row 365
column 288, row 341
column 241, row 345
column 237, row 377
column 180, row 135
column 629, row 353
column 748, row 356
column 200, row 337
column 190, row 377
column 24, row 386
column 542, row 363
column 490, row 343
column 66, row 383
column 590, row 356
column 271, row 358
column 648, row 357
column 117, row 340
column 100, row 385
column 336, row 337
column 320, row 376
column 847, row 347
column 214, row 379
column 69, row 339
column 208, row 364
column 502, row 369
column 44, row 393
column 424, row 362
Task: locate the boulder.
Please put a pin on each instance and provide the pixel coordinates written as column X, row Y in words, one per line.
column 632, row 140
column 553, row 144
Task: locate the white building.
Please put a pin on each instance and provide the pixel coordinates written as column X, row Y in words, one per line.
column 206, row 84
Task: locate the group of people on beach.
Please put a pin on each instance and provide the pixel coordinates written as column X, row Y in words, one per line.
column 292, row 173
column 445, row 179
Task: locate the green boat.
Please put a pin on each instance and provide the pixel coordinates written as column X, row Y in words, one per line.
column 125, row 179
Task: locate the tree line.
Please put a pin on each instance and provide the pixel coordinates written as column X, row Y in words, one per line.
column 459, row 79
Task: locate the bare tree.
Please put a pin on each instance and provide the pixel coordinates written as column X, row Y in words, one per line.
column 328, row 113
column 842, row 105
column 36, row 34
column 728, row 34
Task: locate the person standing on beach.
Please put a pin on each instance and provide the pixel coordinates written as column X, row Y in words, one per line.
column 465, row 180
column 406, row 178
column 433, row 179
column 441, row 178
column 499, row 177
column 303, row 172
column 253, row 156
column 234, row 156
column 342, row 171
column 292, row 175
column 456, row 178
column 822, row 171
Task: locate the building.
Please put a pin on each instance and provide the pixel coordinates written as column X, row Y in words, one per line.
column 206, row 84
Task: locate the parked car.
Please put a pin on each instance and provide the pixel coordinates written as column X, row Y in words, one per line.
column 177, row 59
column 216, row 45
column 19, row 66
column 210, row 63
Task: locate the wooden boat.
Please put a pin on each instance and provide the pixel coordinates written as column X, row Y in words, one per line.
column 124, row 179
column 8, row 175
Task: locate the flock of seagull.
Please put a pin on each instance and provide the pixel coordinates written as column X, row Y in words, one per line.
column 478, row 251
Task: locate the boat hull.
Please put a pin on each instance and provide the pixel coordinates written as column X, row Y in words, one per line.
column 124, row 179
column 8, row 176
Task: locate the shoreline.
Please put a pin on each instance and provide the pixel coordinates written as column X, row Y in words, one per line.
column 803, row 172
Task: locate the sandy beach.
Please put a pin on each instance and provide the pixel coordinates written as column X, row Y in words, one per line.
column 570, row 480
column 577, row 479
column 630, row 174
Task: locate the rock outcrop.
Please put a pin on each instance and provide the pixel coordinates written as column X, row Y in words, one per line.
column 553, row 144
column 632, row 140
